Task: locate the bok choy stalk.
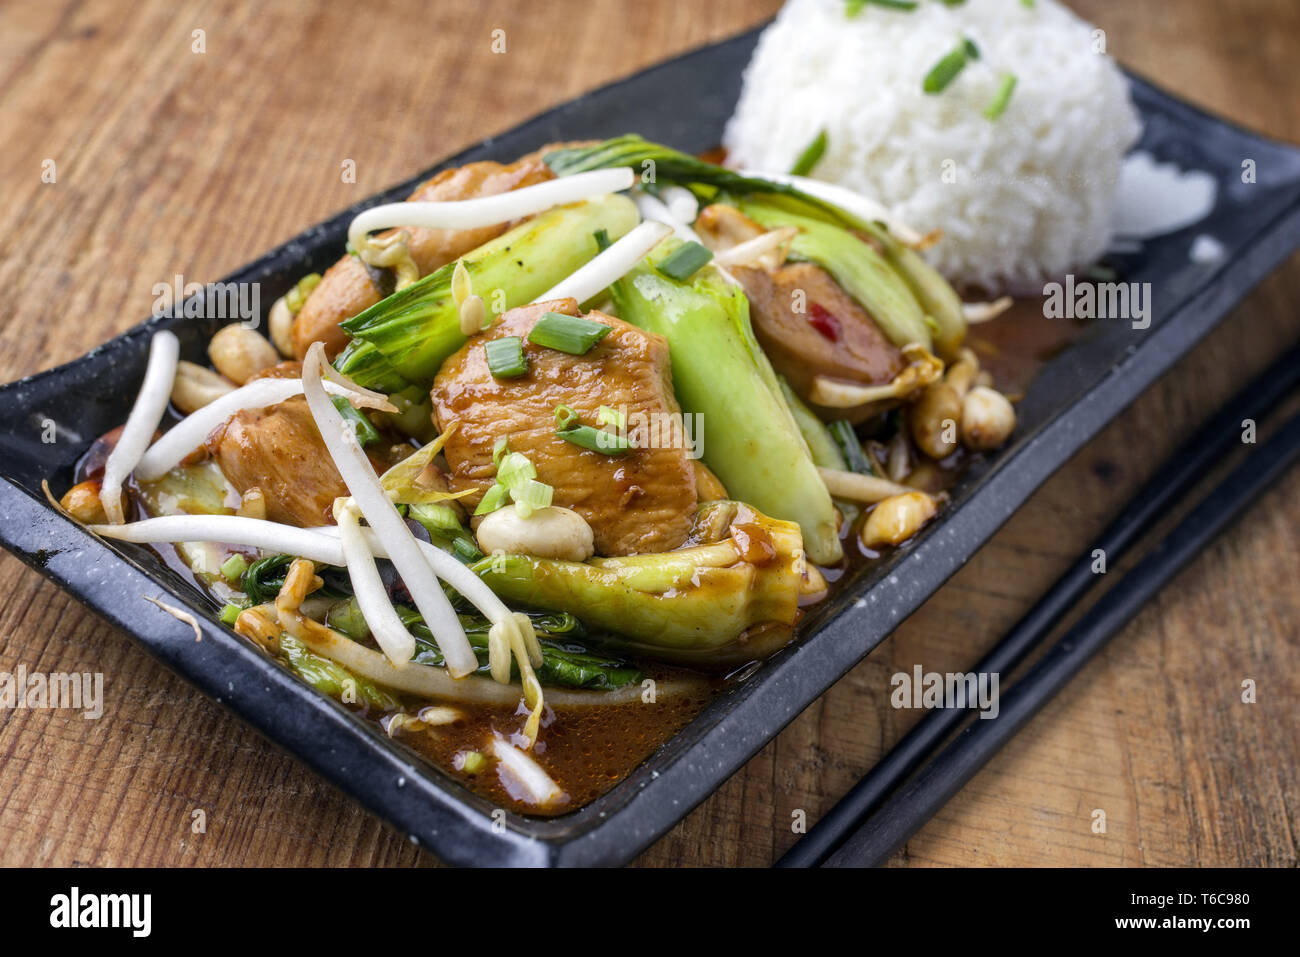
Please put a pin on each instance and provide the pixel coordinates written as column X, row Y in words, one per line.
column 402, row 340
column 711, row 183
column 701, row 603
column 721, row 374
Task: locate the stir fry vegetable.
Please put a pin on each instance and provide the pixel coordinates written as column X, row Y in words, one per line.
column 403, row 339
column 753, row 442
column 692, row 604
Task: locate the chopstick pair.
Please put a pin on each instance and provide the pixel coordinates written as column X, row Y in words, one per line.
column 841, row 838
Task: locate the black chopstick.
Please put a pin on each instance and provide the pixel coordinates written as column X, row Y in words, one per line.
column 1177, row 476
column 917, row 800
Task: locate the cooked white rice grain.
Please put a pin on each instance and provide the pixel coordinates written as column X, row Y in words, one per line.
column 1020, row 199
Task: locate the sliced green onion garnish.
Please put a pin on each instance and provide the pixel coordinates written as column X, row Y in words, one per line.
column 474, row 762
column 972, row 51
column 998, row 105
column 365, row 431
column 494, row 498
column 607, row 416
column 597, row 440
column 233, row 568
column 499, row 448
column 946, row 70
column 811, row 154
column 853, row 7
column 515, row 469
column 565, row 417
column 684, row 261
column 505, row 357
column 229, row 613
column 531, row 495
column 602, row 239
column 571, row 334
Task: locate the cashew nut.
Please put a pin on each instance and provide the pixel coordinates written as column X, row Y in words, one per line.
column 897, row 519
column 195, row 386
column 239, row 353
column 987, row 419
column 550, row 532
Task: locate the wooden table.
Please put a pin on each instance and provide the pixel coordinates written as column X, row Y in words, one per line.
column 170, row 161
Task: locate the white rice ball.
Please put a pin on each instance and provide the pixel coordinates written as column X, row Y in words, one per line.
column 1020, row 199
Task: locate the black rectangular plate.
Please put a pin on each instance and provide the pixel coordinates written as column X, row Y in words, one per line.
column 684, row 102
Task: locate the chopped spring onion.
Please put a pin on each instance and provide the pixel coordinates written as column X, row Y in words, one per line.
column 572, row 334
column 505, row 357
column 608, row 416
column 389, row 527
column 296, row 296
column 188, row 434
column 499, row 448
column 233, row 568
column 610, row 266
column 597, row 440
column 602, row 242
column 565, row 417
column 230, row 613
column 680, row 202
column 368, row 588
column 684, row 261
column 811, row 155
column 514, row 469
column 489, row 210
column 129, row 454
column 365, row 430
column 530, row 496
column 998, row 105
column 472, row 762
column 946, row 70
column 495, row 498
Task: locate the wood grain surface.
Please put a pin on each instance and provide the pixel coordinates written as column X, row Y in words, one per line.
column 170, row 161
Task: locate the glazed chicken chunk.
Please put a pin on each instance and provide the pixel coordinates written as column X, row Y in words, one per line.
column 641, row 501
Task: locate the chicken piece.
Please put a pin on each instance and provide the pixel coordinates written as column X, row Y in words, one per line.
column 279, row 450
column 641, row 501
column 833, row 336
column 347, row 288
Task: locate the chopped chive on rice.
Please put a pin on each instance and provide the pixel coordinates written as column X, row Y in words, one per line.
column 946, row 70
column 998, row 105
column 853, row 7
column 571, row 334
column 811, row 155
column 505, row 357
column 685, row 261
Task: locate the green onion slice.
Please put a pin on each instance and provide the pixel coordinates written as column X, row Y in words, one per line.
column 494, row 498
column 684, row 261
column 571, row 334
column 499, row 448
column 811, row 155
column 565, row 417
column 531, row 495
column 998, row 105
column 597, row 440
column 505, row 357
column 609, row 416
